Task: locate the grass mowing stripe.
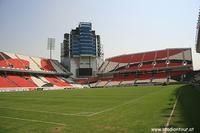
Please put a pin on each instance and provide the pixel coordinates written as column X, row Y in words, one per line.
column 172, row 112
column 74, row 114
column 125, row 103
column 32, row 120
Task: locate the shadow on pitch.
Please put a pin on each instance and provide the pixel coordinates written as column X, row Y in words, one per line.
column 187, row 111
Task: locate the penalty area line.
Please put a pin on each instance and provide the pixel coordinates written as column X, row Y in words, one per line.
column 32, row 120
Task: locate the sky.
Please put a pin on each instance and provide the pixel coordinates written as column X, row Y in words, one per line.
column 125, row 26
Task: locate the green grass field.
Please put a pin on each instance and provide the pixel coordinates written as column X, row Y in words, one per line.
column 101, row 110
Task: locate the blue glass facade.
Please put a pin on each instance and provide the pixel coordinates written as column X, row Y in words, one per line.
column 83, row 40
column 81, row 51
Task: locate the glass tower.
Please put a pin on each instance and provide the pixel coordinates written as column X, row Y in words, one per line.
column 83, row 40
column 81, row 50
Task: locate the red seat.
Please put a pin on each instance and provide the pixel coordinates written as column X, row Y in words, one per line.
column 160, row 75
column 4, row 82
column 17, row 63
column 46, row 65
column 22, row 82
column 56, row 81
column 146, row 67
column 3, row 63
column 145, row 76
column 160, row 65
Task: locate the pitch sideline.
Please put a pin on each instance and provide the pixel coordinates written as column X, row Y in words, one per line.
column 172, row 112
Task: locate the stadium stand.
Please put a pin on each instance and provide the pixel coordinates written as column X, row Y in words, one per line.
column 130, row 82
column 22, row 81
column 38, row 81
column 113, row 83
column 57, row 66
column 32, row 64
column 156, row 67
column 101, row 83
column 143, row 68
column 56, row 81
column 6, row 82
column 21, row 72
column 46, row 65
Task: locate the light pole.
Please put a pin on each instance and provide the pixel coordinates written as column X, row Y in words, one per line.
column 51, row 45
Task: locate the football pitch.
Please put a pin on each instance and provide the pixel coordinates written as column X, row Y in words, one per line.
column 140, row 109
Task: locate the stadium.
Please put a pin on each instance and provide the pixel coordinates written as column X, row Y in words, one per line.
column 150, row 91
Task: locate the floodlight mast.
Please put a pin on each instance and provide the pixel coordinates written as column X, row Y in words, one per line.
column 50, row 53
column 51, row 45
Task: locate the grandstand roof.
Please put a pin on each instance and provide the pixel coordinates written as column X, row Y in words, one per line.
column 150, row 55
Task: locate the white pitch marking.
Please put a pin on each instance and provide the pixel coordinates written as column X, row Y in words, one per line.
column 171, row 114
column 74, row 114
column 32, row 120
column 117, row 106
column 84, row 113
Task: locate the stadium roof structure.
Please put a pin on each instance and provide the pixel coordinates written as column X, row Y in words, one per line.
column 135, row 56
